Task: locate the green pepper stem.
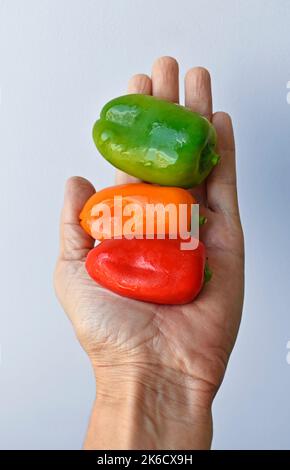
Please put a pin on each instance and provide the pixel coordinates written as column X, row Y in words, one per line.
column 215, row 159
column 202, row 220
column 207, row 273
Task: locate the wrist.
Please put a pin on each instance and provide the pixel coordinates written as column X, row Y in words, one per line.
column 138, row 408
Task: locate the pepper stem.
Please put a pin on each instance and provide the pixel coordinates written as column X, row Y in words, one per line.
column 202, row 220
column 215, row 159
column 207, row 273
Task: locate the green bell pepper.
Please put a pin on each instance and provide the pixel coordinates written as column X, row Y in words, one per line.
column 156, row 141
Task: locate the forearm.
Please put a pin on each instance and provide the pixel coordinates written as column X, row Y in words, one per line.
column 139, row 410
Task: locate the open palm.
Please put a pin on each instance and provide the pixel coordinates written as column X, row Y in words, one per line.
column 190, row 344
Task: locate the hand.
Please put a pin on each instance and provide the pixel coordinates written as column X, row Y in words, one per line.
column 158, row 367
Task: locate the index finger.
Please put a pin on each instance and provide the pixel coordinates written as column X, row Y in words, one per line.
column 139, row 84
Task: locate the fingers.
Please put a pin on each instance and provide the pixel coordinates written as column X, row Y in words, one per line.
column 198, row 98
column 123, row 178
column 164, row 84
column 165, row 81
column 74, row 242
column 221, row 183
column 142, row 84
column 198, row 95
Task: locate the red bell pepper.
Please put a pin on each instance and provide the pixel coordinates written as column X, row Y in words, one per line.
column 154, row 270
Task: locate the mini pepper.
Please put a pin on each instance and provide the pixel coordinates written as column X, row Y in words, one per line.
column 104, row 216
column 155, row 271
column 156, row 141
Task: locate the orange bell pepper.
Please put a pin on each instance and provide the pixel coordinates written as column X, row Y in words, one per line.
column 103, row 218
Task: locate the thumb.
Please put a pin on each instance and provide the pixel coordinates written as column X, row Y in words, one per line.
column 75, row 243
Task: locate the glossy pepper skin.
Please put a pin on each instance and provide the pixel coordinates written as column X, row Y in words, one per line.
column 149, row 270
column 156, row 141
column 140, row 194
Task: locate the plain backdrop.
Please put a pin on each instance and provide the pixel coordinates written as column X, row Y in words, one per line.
column 60, row 61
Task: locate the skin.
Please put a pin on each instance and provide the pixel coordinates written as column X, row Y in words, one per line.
column 158, row 368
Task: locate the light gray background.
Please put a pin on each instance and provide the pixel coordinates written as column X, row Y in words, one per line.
column 60, row 60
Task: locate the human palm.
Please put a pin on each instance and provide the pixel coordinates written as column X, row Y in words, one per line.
column 186, row 343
